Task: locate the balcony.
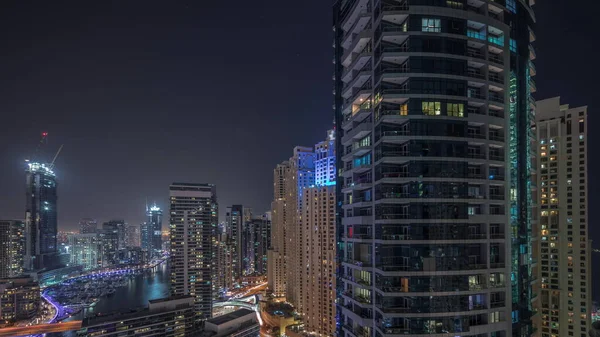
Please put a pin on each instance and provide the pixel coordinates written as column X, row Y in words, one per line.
column 496, row 59
column 393, row 330
column 532, row 54
column 532, row 86
column 472, row 72
column 361, row 7
column 358, row 263
column 498, row 304
column 359, row 43
column 475, row 93
column 357, row 219
column 496, row 98
column 532, row 69
column 359, row 78
column 392, row 114
column 357, row 280
column 496, row 113
column 474, row 135
column 497, row 138
column 357, row 186
column 496, row 78
column 475, row 53
column 357, row 133
column 476, row 155
column 359, row 62
column 398, row 6
column 476, row 34
column 391, row 216
column 496, row 236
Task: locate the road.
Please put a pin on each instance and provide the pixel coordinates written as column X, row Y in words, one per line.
column 40, row 329
column 250, row 291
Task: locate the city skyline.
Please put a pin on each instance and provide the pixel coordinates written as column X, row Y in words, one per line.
column 453, row 194
column 88, row 132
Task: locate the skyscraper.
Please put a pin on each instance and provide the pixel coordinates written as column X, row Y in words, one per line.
column 146, row 237
column 87, row 226
column 112, row 237
column 433, row 110
column 316, row 254
column 317, row 286
column 297, row 256
column 154, row 230
column 277, row 264
column 234, row 221
column 86, row 250
column 193, row 222
column 264, row 242
column 300, row 175
column 12, row 248
column 563, row 249
column 132, row 236
column 256, row 237
column 40, row 216
column 223, row 257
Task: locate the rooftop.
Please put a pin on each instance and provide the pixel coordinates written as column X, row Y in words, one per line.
column 230, row 316
column 40, row 167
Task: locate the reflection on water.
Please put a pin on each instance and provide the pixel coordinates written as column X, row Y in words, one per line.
column 142, row 288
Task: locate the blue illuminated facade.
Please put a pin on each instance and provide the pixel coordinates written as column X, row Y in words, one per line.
column 325, row 161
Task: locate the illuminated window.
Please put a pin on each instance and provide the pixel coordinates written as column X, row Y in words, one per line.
column 456, row 109
column 431, row 108
column 404, row 110
column 431, row 25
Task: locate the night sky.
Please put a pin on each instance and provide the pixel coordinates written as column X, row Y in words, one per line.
column 145, row 93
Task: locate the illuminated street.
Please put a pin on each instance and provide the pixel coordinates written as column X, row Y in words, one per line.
column 40, row 329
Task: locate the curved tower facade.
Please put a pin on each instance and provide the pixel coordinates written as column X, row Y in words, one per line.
column 435, row 209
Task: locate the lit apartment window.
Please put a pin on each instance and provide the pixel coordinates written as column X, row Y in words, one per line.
column 431, row 108
column 456, row 109
column 431, row 25
column 404, row 110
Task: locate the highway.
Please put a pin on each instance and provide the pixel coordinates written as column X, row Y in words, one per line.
column 40, row 329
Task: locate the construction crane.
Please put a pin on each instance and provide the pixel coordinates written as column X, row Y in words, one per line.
column 44, row 141
column 56, row 156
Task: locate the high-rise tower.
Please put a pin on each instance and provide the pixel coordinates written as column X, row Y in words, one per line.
column 277, row 263
column 563, row 249
column 154, row 230
column 40, row 216
column 433, row 110
column 193, row 221
column 12, row 248
column 234, row 222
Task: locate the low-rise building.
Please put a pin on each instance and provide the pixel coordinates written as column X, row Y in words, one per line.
column 19, row 299
column 240, row 323
column 169, row 317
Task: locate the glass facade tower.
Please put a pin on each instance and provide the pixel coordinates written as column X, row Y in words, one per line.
column 40, row 216
column 435, row 204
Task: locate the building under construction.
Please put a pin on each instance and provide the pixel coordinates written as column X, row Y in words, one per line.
column 40, row 212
